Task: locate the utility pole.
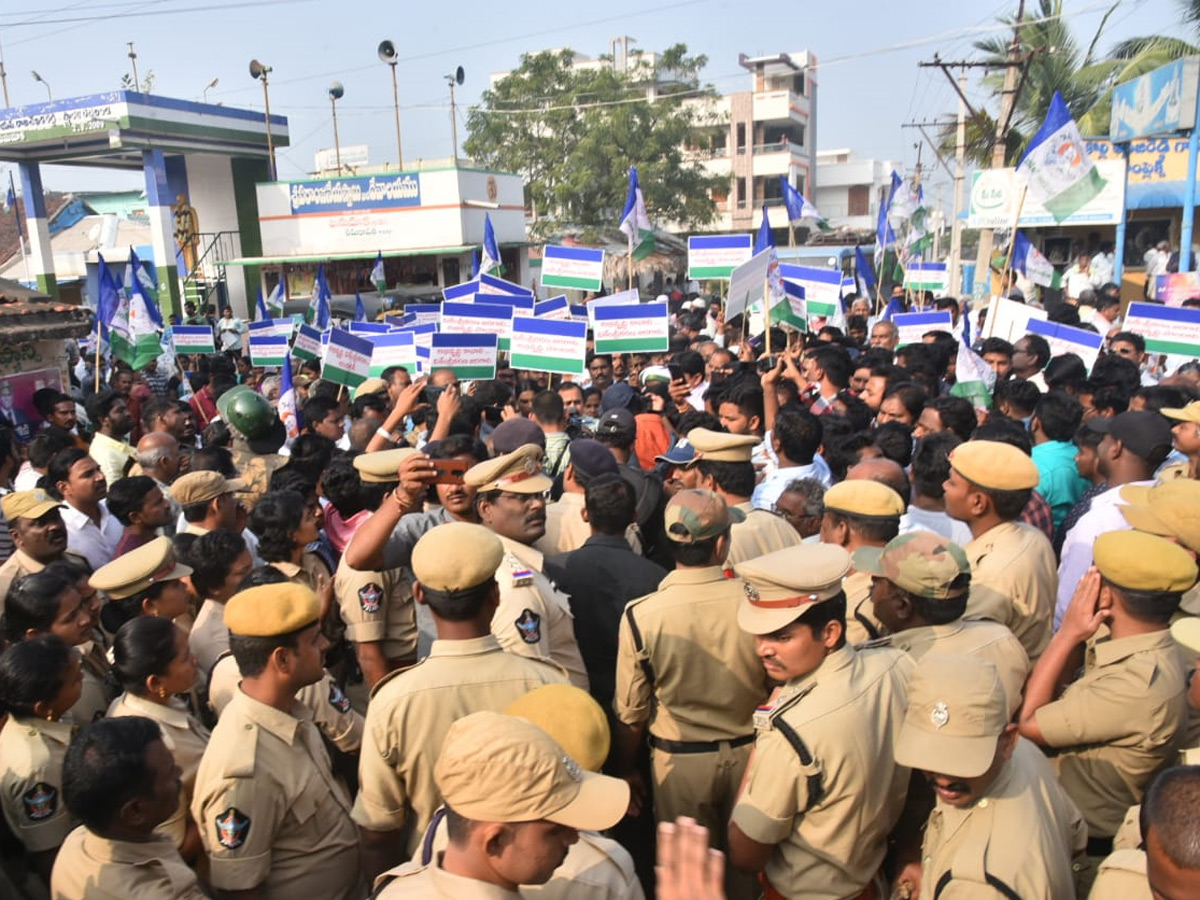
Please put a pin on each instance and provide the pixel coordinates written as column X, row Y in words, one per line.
column 1008, row 101
column 960, row 152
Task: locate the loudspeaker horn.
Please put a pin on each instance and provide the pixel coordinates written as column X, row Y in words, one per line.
column 257, row 69
column 459, row 75
column 387, row 52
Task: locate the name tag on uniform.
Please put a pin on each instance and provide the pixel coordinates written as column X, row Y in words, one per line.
column 522, row 577
column 762, row 718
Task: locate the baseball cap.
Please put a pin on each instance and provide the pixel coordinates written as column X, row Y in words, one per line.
column 780, row 586
column 513, row 433
column 696, row 515
column 592, row 458
column 617, row 423
column 957, row 710
column 921, row 562
column 499, row 768
column 618, row 396
column 1147, row 434
column 27, row 504
column 682, row 454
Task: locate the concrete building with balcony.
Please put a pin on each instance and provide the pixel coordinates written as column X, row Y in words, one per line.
column 850, row 190
column 755, row 136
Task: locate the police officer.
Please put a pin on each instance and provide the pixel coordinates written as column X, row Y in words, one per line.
column 38, row 533
column 257, row 436
column 823, row 790
column 1014, row 579
column 208, row 501
column 1003, row 826
column 121, row 782
column 515, row 805
column 534, row 617
column 687, row 677
column 597, row 867
column 1125, row 716
column 860, row 514
column 410, row 712
column 377, row 605
column 272, row 816
column 723, row 465
column 919, row 587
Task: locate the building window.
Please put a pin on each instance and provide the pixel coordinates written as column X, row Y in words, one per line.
column 741, row 137
column 798, row 84
column 801, row 182
column 741, row 193
column 859, row 200
column 798, row 131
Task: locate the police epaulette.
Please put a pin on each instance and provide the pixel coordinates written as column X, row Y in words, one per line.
column 765, row 715
column 390, row 675
column 885, row 641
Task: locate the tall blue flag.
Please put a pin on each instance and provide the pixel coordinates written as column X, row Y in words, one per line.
column 140, row 283
column 491, row 252
column 864, row 275
column 474, row 262
column 318, row 307
column 108, row 295
column 884, row 235
column 360, row 311
column 764, row 239
column 261, row 307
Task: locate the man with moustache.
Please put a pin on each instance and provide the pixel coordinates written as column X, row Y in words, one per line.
column 534, row 617
column 35, row 521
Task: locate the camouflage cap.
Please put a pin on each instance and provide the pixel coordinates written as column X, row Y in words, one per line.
column 696, row 515
column 920, row 562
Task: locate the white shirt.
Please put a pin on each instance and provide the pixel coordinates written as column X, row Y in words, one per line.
column 936, row 521
column 96, row 543
column 230, row 331
column 1102, row 268
column 773, row 485
column 1104, row 515
column 27, row 478
column 696, row 397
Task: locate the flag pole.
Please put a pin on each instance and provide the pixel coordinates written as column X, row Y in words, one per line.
column 1013, row 238
column 97, row 354
column 767, row 313
column 629, row 264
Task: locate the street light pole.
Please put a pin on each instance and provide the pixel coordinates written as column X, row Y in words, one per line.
column 396, row 107
column 44, row 83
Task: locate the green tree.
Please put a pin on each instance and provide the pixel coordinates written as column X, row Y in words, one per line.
column 573, row 133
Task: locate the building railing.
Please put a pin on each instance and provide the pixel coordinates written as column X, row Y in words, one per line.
column 782, row 146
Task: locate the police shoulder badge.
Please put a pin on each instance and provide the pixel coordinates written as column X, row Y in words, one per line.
column 529, row 625
column 338, row 699
column 370, row 597
column 233, row 827
column 41, row 801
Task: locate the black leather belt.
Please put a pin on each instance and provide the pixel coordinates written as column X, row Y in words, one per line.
column 1099, row 846
column 698, row 746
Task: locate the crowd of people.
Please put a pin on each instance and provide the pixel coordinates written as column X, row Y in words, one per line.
column 860, row 636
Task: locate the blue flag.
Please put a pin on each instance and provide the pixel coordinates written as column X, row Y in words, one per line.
column 864, row 275
column 895, row 307
column 764, row 239
column 360, row 311
column 138, row 281
column 318, row 307
column 261, row 307
column 289, row 409
column 491, row 252
column 108, row 297
column 885, row 237
column 10, row 199
column 474, row 263
column 377, row 274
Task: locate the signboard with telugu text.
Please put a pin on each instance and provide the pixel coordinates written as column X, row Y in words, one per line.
column 347, row 358
column 576, row 268
column 548, row 345
column 468, row 356
column 716, row 256
column 643, row 328
column 1167, row 329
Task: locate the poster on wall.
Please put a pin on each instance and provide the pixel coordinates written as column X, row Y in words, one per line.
column 16, row 398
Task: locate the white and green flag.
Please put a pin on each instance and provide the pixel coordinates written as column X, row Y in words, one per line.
column 1029, row 261
column 1057, row 170
column 133, row 336
column 635, row 223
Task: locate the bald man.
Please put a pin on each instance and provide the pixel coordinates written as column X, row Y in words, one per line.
column 889, row 472
column 159, row 457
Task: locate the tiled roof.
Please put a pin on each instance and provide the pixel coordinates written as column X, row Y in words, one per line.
column 27, row 315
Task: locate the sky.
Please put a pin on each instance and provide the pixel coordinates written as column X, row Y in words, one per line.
column 869, row 83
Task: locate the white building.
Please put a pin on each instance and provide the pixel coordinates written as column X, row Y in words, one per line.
column 850, row 190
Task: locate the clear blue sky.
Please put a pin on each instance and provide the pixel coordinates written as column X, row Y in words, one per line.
column 869, row 82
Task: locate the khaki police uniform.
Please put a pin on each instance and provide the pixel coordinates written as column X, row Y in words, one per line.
column 184, row 736
column 861, row 624
column 1117, row 725
column 310, row 568
column 98, row 689
column 501, row 768
column 31, row 758
column 927, row 566
column 534, row 618
column 957, row 712
column 1122, row 876
column 377, row 607
column 270, row 811
column 1014, row 575
column 411, row 711
column 21, row 564
column 208, row 638
column 693, row 679
column 91, row 867
column 330, row 708
column 823, row 786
